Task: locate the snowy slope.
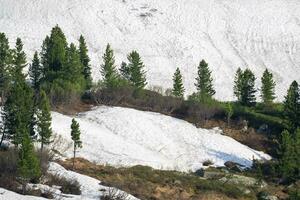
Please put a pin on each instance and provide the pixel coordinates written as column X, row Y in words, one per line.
column 172, row 33
column 90, row 188
column 126, row 137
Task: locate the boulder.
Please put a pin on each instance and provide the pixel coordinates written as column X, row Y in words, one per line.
column 243, row 180
column 234, row 166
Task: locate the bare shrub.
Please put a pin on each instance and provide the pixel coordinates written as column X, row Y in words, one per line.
column 67, row 186
column 114, row 194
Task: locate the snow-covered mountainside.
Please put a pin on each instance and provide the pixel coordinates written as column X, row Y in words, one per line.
column 127, row 137
column 91, row 189
column 228, row 34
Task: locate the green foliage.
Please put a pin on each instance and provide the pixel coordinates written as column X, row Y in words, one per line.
column 44, row 120
column 85, row 61
column 19, row 61
column 244, row 87
column 292, row 107
column 125, row 71
column 108, row 68
column 229, row 112
column 178, row 89
column 267, row 88
column 28, row 164
column 35, row 72
column 5, row 65
column 204, row 80
column 75, row 134
column 136, row 68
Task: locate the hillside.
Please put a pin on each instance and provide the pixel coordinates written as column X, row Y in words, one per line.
column 168, row 34
column 127, row 137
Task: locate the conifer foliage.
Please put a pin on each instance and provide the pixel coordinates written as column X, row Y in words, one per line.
column 204, row 81
column 137, row 72
column 267, row 88
column 35, row 72
column 178, row 89
column 85, row 61
column 75, row 134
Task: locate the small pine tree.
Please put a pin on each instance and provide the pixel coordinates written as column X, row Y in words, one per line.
column 292, row 107
column 19, row 61
column 44, row 120
column 286, row 154
column 178, row 89
column 108, row 68
column 35, row 72
column 268, row 87
column 28, row 165
column 238, row 84
column 137, row 73
column 75, row 134
column 204, row 80
column 85, row 60
column 125, row 71
column 229, row 112
column 247, row 89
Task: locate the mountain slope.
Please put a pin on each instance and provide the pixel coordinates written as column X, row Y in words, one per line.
column 127, row 137
column 172, row 33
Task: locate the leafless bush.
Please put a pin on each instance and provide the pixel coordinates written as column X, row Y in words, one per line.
column 67, row 186
column 114, row 194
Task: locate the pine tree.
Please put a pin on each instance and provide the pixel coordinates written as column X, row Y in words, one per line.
column 125, row 71
column 44, row 120
column 178, row 89
column 238, row 84
column 35, row 72
column 287, row 156
column 297, row 151
column 292, row 107
column 44, row 55
column 85, row 61
column 19, row 61
column 268, row 87
column 137, row 73
column 17, row 111
column 248, row 88
column 204, row 81
column 28, row 165
column 75, row 134
column 108, row 68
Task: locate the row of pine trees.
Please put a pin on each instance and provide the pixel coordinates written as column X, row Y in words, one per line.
column 62, row 70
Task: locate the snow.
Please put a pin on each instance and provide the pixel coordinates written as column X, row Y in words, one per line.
column 126, row 137
column 228, row 34
column 91, row 189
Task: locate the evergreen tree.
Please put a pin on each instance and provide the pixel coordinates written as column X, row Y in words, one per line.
column 292, row 107
column 178, row 89
column 297, row 151
column 44, row 120
column 75, row 134
column 204, row 81
column 17, row 111
column 19, row 61
column 247, row 88
column 137, row 73
column 85, row 61
column 287, row 156
column 35, row 72
column 268, row 87
column 108, row 68
column 238, row 84
column 125, row 71
column 44, row 55
column 28, row 165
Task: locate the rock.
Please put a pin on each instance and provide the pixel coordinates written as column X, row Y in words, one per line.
column 243, row 180
column 234, row 166
column 209, row 174
column 266, row 196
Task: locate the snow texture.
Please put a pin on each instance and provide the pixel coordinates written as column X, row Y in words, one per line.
column 127, row 137
column 91, row 189
column 168, row 34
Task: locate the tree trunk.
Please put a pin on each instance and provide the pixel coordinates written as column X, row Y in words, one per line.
column 2, row 138
column 74, row 152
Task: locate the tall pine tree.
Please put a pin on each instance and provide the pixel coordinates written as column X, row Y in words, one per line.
column 238, row 84
column 204, row 80
column 108, row 68
column 75, row 134
column 292, row 107
column 44, row 120
column 178, row 89
column 267, row 88
column 19, row 61
column 85, row 61
column 137, row 72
